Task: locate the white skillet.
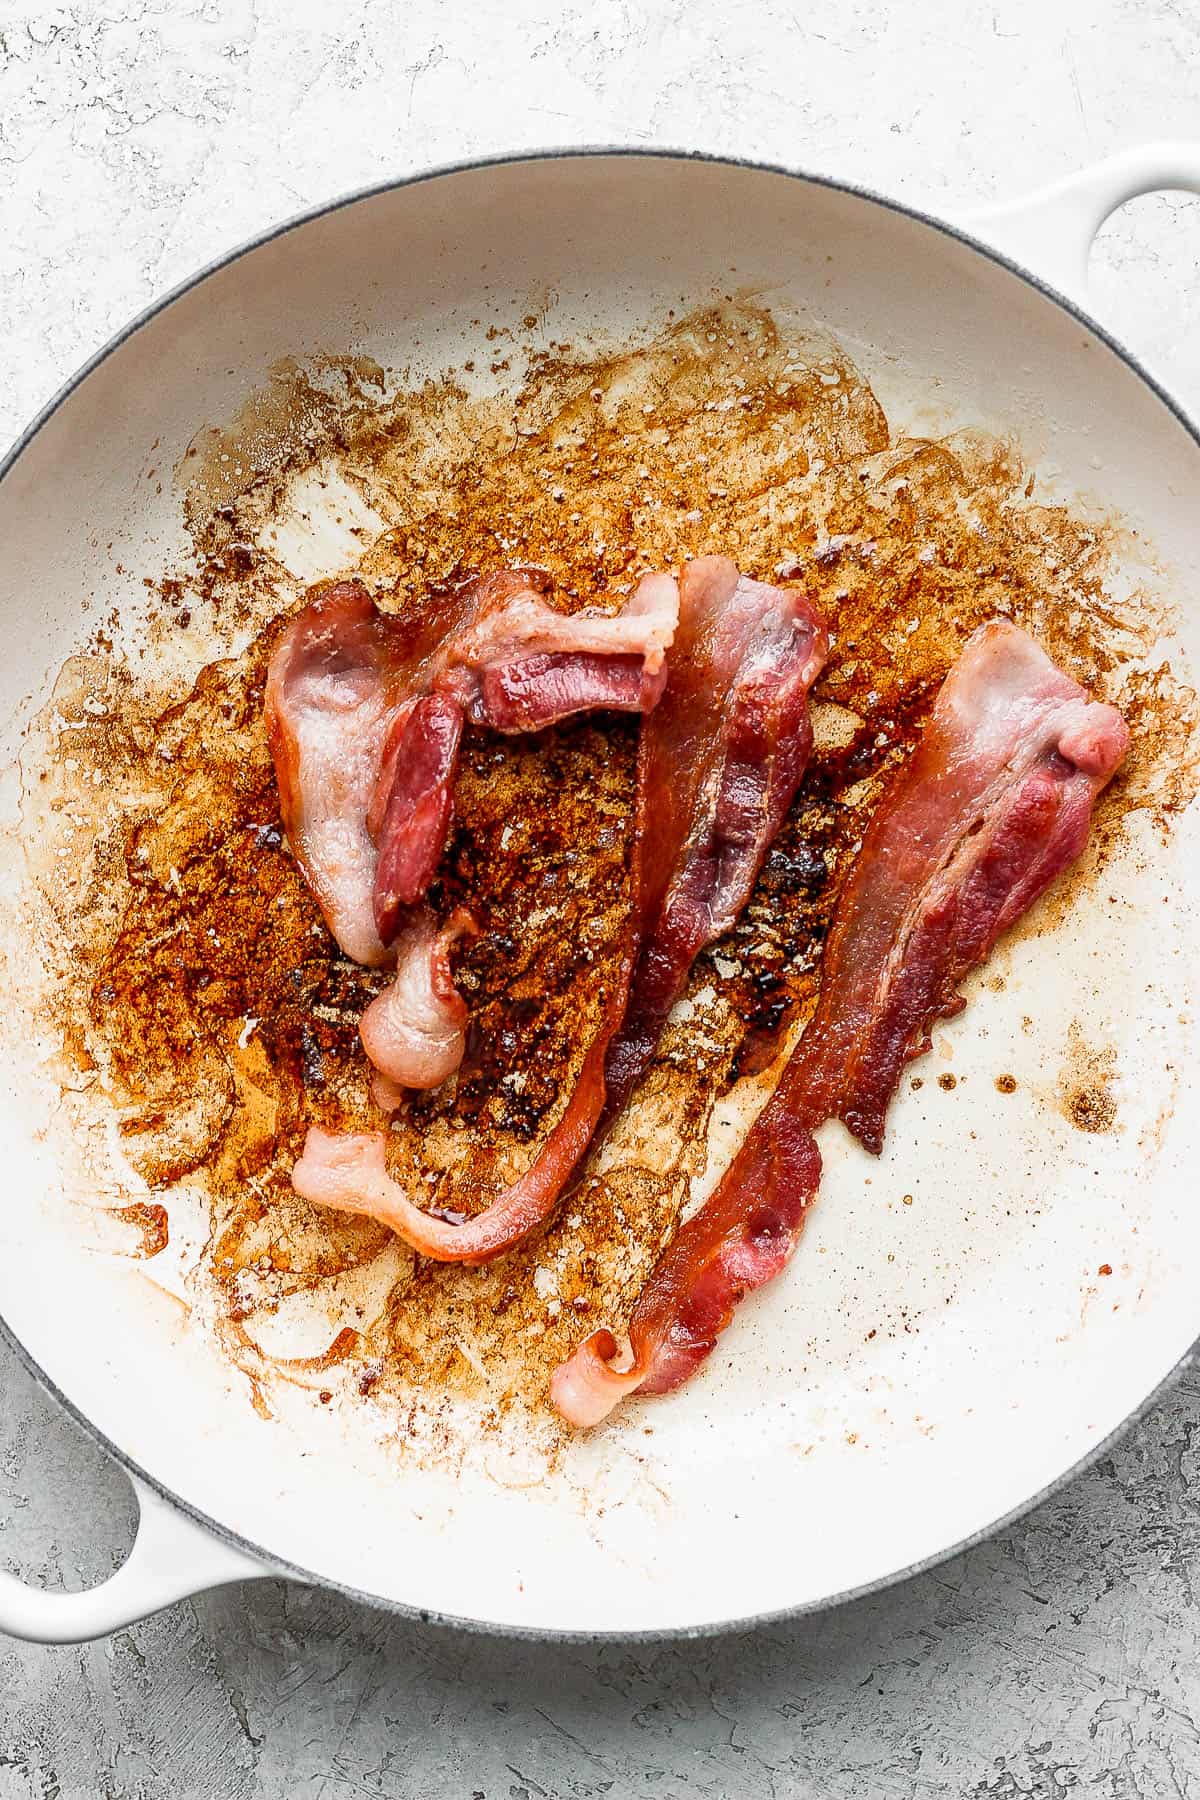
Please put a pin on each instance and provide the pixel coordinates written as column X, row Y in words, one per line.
column 1005, row 1360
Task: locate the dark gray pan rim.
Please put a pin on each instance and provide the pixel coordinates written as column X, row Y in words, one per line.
column 489, row 1627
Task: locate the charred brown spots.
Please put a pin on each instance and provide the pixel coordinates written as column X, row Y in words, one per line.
column 1085, row 1085
column 1091, row 1108
column 151, row 1224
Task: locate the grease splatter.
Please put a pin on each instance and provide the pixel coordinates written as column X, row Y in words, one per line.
column 1085, row 1084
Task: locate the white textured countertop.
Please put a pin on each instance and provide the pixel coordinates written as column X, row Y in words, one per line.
column 141, row 138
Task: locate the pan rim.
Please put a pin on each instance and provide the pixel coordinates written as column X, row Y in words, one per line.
column 274, row 1564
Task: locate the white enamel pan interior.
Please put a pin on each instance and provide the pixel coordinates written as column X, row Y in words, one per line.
column 763, row 1489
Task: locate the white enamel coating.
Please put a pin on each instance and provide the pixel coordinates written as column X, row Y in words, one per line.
column 810, row 1459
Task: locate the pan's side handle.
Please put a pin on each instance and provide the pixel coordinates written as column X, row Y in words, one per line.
column 171, row 1557
column 1050, row 232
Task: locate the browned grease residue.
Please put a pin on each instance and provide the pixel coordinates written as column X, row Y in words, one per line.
column 149, row 1220
column 1085, row 1096
column 200, row 991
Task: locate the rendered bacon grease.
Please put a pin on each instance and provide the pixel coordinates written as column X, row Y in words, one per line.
column 994, row 804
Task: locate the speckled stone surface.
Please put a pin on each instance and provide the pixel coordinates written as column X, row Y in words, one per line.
column 139, row 138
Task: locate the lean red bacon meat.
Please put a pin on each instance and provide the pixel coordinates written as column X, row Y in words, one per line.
column 719, row 762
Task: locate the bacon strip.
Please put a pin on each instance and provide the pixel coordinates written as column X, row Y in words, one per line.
column 330, row 702
column 719, row 761
column 364, row 716
column 996, row 802
column 540, row 690
column 511, row 662
column 521, row 665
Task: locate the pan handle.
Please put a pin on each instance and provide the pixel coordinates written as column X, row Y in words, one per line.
column 1050, row 232
column 172, row 1557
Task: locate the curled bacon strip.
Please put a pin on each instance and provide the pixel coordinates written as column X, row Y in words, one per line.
column 364, row 715
column 386, row 699
column 348, row 1170
column 521, row 666
column 330, row 702
column 996, row 801
column 719, row 761
column 415, row 1032
column 511, row 662
column 365, row 709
